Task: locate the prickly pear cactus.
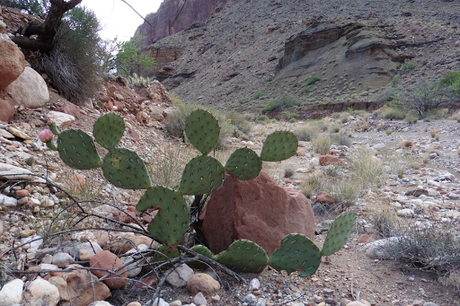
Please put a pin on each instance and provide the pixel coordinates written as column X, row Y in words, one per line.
column 244, row 164
column 279, row 145
column 202, row 129
column 244, row 256
column 296, row 252
column 201, row 175
column 201, row 249
column 339, row 233
column 171, row 222
column 108, row 130
column 77, row 150
column 125, row 169
column 164, row 253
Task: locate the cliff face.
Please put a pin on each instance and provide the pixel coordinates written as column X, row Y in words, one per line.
column 174, row 16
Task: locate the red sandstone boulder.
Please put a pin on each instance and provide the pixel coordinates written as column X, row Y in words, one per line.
column 258, row 210
column 325, row 160
column 109, row 261
column 324, row 197
column 12, row 62
column 6, row 108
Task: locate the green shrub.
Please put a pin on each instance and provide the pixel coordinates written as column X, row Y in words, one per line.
column 388, row 132
column 305, row 89
column 393, row 113
column 75, row 65
column 312, row 80
column 280, row 49
column 269, row 79
column 258, row 95
column 407, row 66
column 305, row 133
column 128, row 57
column 279, row 104
column 451, row 84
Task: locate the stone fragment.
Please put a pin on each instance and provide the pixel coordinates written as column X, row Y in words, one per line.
column 139, row 304
column 8, row 201
column 62, row 120
column 13, row 62
column 70, row 109
column 199, row 299
column 203, row 283
column 100, row 303
column 324, row 197
column 18, row 132
column 80, row 287
column 61, row 285
column 109, row 261
column 41, row 292
column 11, row 293
column 259, row 210
column 160, row 302
column 29, row 90
column 365, row 238
column 382, row 249
column 406, row 212
column 12, row 172
column 254, row 284
column 62, row 259
column 6, row 108
column 325, row 160
column 356, row 303
column 180, row 276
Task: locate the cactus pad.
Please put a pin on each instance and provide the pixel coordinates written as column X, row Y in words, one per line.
column 171, row 222
column 201, row 175
column 125, row 169
column 108, row 130
column 296, row 252
column 77, row 150
column 202, row 129
column 202, row 250
column 243, row 256
column 164, row 253
column 244, row 164
column 339, row 233
column 279, row 145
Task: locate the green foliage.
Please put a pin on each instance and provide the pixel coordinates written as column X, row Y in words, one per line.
column 424, row 96
column 77, row 150
column 312, row 80
column 129, row 58
column 269, row 79
column 33, row 7
column 244, row 164
column 279, row 104
column 280, row 49
column 201, row 175
column 450, row 82
column 202, row 129
column 76, row 63
column 279, row 145
column 407, row 66
column 339, row 233
column 108, row 130
column 244, row 256
column 258, row 95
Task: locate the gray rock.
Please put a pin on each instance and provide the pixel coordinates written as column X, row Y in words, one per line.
column 406, row 212
column 382, row 249
column 379, row 146
column 62, row 260
column 73, row 250
column 34, row 243
column 180, row 276
column 12, row 172
column 199, row 299
column 11, row 292
column 261, row 302
column 430, row 304
column 160, row 302
column 62, row 120
column 8, row 201
column 251, row 299
column 41, row 292
column 254, row 284
column 29, row 89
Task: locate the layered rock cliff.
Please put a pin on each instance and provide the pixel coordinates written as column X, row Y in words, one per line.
column 174, row 16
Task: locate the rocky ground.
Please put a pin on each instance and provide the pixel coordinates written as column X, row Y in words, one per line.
column 423, row 190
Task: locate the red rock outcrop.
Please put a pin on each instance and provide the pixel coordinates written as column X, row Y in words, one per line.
column 12, row 63
column 258, row 210
column 174, row 16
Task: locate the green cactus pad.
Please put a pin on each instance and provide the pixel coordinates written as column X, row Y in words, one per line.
column 201, row 175
column 202, row 129
column 171, row 222
column 279, row 145
column 296, row 252
column 125, row 169
column 244, row 164
column 77, row 150
column 108, row 130
column 164, row 253
column 339, row 233
column 200, row 249
column 243, row 256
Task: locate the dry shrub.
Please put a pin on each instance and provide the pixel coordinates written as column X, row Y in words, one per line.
column 322, row 143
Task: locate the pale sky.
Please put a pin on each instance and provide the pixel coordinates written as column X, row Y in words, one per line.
column 118, row 19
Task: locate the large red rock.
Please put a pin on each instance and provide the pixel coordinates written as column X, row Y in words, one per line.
column 12, row 62
column 325, row 160
column 258, row 210
column 109, row 261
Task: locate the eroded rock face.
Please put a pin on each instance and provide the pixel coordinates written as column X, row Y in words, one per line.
column 258, row 210
column 174, row 16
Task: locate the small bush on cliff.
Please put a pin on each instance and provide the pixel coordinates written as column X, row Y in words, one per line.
column 128, row 57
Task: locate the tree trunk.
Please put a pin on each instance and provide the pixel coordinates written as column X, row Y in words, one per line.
column 47, row 30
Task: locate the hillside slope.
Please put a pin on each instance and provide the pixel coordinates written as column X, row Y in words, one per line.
column 251, row 51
